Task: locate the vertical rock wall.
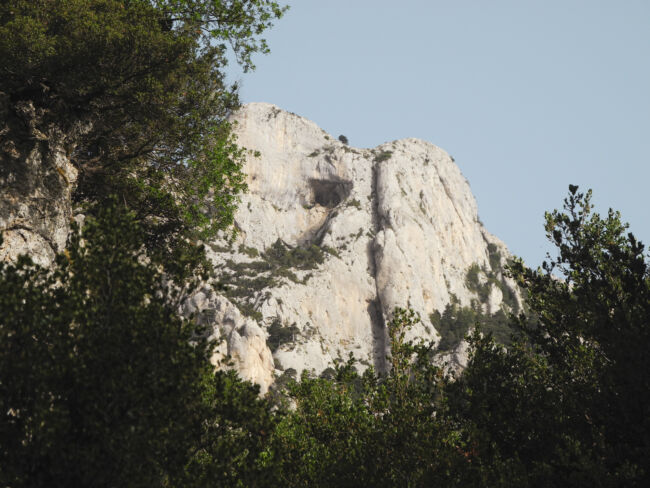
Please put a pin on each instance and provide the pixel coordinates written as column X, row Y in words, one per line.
column 36, row 184
column 396, row 225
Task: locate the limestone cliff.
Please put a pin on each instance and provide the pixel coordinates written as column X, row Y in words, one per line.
column 332, row 238
column 37, row 180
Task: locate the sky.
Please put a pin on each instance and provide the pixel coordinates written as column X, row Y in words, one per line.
column 528, row 96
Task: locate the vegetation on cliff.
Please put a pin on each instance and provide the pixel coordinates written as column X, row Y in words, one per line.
column 136, row 92
column 102, row 384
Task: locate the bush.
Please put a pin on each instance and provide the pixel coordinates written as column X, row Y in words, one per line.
column 136, row 89
column 102, row 384
column 383, row 156
column 281, row 334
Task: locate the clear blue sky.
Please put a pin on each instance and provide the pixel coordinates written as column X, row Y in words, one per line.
column 528, row 96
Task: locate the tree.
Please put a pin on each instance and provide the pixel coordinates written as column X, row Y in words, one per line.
column 236, row 428
column 102, row 384
column 570, row 405
column 370, row 430
column 135, row 93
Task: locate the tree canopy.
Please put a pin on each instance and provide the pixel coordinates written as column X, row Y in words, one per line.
column 102, row 384
column 370, row 430
column 136, row 92
column 569, row 405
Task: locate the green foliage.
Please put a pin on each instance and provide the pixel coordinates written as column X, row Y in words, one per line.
column 101, row 384
column 241, row 281
column 251, row 252
column 330, row 250
column 494, row 256
column 343, row 139
column 383, row 156
column 236, row 426
column 281, row 334
column 453, row 325
column 473, row 282
column 136, row 90
column 354, row 203
column 481, row 281
column 570, row 406
column 367, row 430
column 456, row 322
column 281, row 255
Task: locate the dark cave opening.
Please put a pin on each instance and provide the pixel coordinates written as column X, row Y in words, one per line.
column 329, row 193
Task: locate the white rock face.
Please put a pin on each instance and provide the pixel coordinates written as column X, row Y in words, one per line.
column 36, row 185
column 332, row 239
column 396, row 226
column 241, row 339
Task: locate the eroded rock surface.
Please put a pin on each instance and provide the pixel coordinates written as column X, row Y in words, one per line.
column 36, row 184
column 241, row 341
column 333, row 238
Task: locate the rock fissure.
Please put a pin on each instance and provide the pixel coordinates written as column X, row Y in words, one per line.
column 375, row 308
column 449, row 195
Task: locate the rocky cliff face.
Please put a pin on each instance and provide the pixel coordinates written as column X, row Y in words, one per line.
column 36, row 184
column 332, row 238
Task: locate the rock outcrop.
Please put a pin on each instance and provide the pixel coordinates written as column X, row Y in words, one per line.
column 36, row 183
column 333, row 238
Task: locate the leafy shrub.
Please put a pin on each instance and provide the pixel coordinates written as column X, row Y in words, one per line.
column 494, row 256
column 281, row 255
column 281, row 334
column 145, row 80
column 104, row 385
column 383, row 156
column 251, row 252
column 354, row 203
column 473, row 281
column 241, row 282
column 456, row 322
